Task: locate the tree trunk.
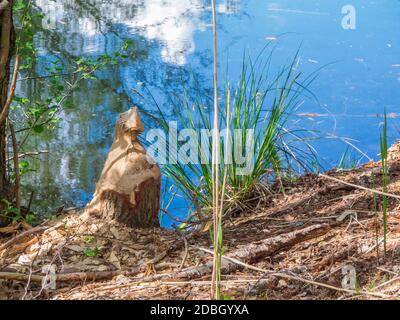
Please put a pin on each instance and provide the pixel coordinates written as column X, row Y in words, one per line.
column 129, row 187
column 6, row 51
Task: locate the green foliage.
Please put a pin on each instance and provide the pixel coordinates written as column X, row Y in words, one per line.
column 25, row 33
column 30, row 218
column 11, row 214
column 347, row 161
column 260, row 103
column 24, row 167
column 91, row 252
column 40, row 115
column 20, row 5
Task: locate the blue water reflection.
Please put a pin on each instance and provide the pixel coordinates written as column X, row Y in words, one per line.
column 359, row 77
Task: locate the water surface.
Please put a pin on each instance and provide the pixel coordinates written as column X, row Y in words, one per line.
column 172, row 42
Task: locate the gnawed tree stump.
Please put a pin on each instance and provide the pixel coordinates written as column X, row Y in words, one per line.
column 129, row 187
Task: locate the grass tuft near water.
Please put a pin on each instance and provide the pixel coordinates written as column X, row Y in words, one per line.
column 259, row 135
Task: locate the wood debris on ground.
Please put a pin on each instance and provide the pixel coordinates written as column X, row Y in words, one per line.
column 298, row 246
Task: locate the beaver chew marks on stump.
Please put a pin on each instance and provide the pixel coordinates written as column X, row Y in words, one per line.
column 129, row 187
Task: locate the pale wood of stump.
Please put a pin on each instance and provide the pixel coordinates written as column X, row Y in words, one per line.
column 128, row 190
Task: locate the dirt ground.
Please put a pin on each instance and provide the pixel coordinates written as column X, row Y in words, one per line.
column 98, row 260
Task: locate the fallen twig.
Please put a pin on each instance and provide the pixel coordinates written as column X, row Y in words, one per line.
column 65, row 277
column 395, row 279
column 297, row 278
column 23, row 235
column 258, row 250
column 360, row 187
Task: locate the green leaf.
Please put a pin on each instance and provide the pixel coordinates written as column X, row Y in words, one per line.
column 19, row 5
column 89, row 252
column 38, row 128
column 23, row 164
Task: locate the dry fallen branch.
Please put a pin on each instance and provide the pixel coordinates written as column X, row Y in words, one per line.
column 23, row 235
column 80, row 276
column 20, row 277
column 66, row 277
column 297, row 278
column 258, row 250
column 10, row 229
column 391, row 195
column 391, row 281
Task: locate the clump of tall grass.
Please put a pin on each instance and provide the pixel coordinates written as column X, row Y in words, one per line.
column 258, row 102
